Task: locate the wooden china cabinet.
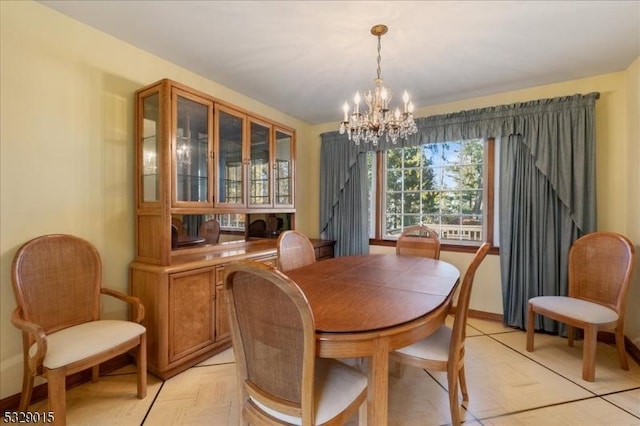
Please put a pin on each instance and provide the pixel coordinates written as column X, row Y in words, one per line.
column 197, row 158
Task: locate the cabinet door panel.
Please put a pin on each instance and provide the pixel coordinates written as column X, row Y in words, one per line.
column 223, row 330
column 283, row 169
column 191, row 312
column 191, row 151
column 230, row 159
column 149, row 154
column 259, row 164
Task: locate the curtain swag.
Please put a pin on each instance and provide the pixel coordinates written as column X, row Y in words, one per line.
column 547, row 189
column 547, row 196
column 531, row 120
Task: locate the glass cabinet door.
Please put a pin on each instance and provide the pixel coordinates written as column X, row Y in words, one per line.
column 229, row 154
column 283, row 169
column 191, row 152
column 148, row 153
column 259, row 161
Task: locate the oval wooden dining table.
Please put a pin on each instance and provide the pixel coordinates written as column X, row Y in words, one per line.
column 369, row 305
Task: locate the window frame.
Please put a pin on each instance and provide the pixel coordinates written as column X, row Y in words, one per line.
column 489, row 166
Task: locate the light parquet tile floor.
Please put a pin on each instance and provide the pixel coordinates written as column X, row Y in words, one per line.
column 507, row 386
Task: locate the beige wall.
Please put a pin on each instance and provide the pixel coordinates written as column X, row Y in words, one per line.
column 67, row 144
column 66, row 150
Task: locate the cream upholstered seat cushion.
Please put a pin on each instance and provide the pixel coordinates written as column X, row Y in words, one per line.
column 434, row 347
column 580, row 309
column 336, row 386
column 85, row 340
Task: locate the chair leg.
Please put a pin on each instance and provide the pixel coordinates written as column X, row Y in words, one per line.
column 530, row 327
column 57, row 395
column 463, row 384
column 570, row 335
column 398, row 371
column 453, row 397
column 27, row 388
column 362, row 414
column 95, row 373
column 141, row 362
column 589, row 353
column 622, row 353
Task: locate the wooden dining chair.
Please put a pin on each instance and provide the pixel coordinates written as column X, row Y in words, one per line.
column 179, row 225
column 57, row 281
column 419, row 240
column 295, row 250
column 210, row 231
column 258, row 228
column 444, row 349
column 600, row 268
column 273, row 333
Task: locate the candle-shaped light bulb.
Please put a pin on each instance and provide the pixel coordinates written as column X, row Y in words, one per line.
column 405, row 100
column 397, row 114
column 384, row 96
column 345, row 108
column 410, row 107
column 356, row 101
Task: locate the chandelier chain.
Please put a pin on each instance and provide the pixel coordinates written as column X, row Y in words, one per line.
column 379, row 57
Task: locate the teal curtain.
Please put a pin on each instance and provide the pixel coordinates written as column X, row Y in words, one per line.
column 547, row 188
column 343, row 195
column 536, row 232
column 547, row 201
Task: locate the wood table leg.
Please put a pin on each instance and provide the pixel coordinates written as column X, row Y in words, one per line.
column 378, row 392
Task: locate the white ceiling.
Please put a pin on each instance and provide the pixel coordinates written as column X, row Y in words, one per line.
column 306, row 58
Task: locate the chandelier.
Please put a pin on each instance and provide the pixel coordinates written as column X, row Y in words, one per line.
column 378, row 121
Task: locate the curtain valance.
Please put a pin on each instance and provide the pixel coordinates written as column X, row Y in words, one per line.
column 496, row 121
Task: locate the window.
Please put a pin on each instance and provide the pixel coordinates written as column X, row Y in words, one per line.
column 231, row 221
column 448, row 186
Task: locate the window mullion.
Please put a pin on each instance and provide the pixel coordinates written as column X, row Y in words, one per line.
column 488, row 188
column 380, row 188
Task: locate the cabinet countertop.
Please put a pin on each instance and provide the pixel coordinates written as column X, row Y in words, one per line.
column 222, row 253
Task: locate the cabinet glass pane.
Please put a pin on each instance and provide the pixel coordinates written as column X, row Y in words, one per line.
column 192, row 148
column 259, row 171
column 283, row 172
column 149, row 166
column 231, row 183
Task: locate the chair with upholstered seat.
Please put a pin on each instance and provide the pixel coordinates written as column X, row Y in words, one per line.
column 418, row 240
column 600, row 268
column 210, row 231
column 444, row 349
column 273, row 334
column 295, row 250
column 57, row 281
